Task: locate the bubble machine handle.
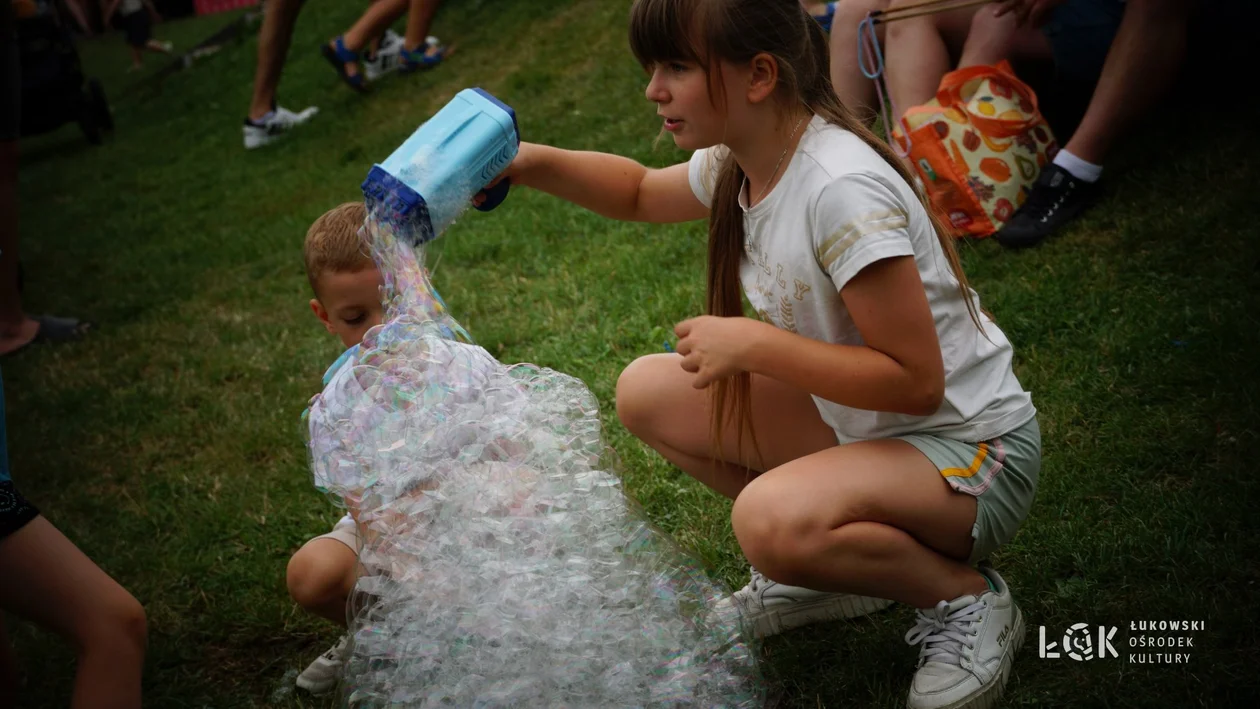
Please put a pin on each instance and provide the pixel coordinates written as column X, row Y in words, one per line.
column 495, row 195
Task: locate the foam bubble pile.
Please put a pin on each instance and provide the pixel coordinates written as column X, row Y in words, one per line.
column 501, row 563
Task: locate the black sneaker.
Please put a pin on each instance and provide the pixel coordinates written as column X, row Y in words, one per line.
column 1056, row 199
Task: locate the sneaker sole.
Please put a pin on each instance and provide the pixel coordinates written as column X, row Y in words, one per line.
column 797, row 615
column 320, row 687
column 990, row 696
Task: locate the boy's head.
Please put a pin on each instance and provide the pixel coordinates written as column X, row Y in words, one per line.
column 345, row 280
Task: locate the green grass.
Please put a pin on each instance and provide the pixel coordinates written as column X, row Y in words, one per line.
column 167, row 444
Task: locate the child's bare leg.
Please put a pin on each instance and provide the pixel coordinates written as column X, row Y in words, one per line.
column 874, row 518
column 419, row 19
column 137, row 57
column 852, row 87
column 656, row 402
column 321, row 576
column 919, row 52
column 1151, row 40
column 373, row 22
column 51, row 582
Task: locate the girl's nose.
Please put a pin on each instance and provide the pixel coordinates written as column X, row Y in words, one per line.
column 655, row 91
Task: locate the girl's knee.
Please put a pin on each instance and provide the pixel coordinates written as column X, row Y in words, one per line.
column 775, row 537
column 117, row 623
column 909, row 25
column 986, row 25
column 636, row 396
column 860, row 8
column 132, row 622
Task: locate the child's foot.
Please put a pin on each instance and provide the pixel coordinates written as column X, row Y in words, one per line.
column 769, row 608
column 345, row 62
column 1057, row 197
column 274, row 125
column 430, row 56
column 322, row 674
column 968, row 646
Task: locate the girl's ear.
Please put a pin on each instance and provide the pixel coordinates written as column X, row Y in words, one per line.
column 763, row 77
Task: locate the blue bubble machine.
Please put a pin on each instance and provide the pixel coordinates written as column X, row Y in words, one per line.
column 432, row 177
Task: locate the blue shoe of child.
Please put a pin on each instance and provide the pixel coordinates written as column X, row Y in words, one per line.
column 425, row 57
column 338, row 56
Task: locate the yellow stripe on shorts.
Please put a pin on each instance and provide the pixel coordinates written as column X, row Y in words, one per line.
column 982, row 452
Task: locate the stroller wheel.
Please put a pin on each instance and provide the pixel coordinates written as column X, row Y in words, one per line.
column 100, row 105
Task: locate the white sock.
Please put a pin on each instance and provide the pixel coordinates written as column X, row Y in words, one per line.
column 1083, row 170
column 263, row 118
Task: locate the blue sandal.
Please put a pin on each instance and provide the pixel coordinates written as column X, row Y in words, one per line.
column 339, row 57
column 421, row 59
column 826, row 18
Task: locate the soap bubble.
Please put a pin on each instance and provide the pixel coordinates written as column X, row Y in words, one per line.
column 502, row 564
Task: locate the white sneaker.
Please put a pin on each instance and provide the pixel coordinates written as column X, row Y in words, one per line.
column 968, row 646
column 388, row 57
column 769, row 607
column 324, row 673
column 274, row 125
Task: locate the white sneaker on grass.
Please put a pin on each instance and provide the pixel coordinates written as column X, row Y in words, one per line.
column 323, row 674
column 389, row 55
column 968, row 645
column 768, row 607
column 274, row 125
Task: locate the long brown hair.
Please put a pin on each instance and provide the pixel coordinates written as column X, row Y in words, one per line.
column 706, row 32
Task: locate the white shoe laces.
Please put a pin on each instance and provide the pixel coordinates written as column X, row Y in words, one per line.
column 946, row 637
column 756, row 583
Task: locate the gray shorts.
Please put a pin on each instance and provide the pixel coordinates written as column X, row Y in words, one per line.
column 1001, row 473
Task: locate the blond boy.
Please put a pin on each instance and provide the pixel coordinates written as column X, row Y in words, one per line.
column 346, row 285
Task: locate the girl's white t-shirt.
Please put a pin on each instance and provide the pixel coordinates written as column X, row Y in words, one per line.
column 838, row 208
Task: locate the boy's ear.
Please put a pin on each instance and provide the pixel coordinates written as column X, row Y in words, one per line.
column 763, row 77
column 318, row 308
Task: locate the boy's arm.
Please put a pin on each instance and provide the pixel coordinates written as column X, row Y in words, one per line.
column 609, row 185
column 110, row 9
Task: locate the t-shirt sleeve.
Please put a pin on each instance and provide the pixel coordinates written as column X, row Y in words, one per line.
column 858, row 220
column 702, row 172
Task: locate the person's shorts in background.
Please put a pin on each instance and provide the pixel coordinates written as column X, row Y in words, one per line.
column 138, row 27
column 15, row 511
column 1080, row 34
column 1001, row 473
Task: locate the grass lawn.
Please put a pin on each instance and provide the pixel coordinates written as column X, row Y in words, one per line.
column 167, row 445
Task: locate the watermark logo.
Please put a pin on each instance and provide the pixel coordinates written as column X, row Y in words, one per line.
column 1152, row 642
column 1078, row 643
